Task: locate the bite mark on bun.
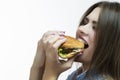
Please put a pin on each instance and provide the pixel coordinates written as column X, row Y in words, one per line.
column 70, row 48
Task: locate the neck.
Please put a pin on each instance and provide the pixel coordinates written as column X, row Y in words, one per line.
column 85, row 67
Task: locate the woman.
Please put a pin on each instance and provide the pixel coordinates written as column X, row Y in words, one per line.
column 100, row 29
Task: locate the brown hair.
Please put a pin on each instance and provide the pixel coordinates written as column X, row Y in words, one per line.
column 106, row 57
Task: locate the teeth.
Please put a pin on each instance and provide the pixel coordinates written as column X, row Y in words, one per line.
column 86, row 44
column 62, row 59
column 81, row 40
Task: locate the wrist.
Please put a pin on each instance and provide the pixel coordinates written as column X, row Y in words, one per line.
column 38, row 63
column 36, row 73
column 37, row 68
column 49, row 75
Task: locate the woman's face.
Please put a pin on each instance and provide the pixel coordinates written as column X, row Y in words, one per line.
column 86, row 32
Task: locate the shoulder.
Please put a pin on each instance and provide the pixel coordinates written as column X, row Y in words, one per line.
column 88, row 76
column 107, row 77
column 70, row 77
column 94, row 77
column 75, row 74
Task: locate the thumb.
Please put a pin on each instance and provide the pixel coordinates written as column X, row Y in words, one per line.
column 68, row 64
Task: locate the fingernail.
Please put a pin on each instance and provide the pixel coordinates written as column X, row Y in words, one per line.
column 52, row 34
column 62, row 37
column 63, row 32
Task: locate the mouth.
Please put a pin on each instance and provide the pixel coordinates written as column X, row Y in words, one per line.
column 85, row 42
column 86, row 46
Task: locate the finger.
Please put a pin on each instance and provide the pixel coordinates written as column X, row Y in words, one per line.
column 53, row 33
column 53, row 39
column 49, row 38
column 68, row 64
column 54, row 50
column 59, row 42
column 50, row 34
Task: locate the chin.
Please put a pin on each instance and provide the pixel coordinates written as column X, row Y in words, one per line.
column 78, row 59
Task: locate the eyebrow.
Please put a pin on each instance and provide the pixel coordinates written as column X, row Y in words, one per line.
column 94, row 22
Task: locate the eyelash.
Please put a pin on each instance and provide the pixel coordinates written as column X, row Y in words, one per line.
column 94, row 27
column 85, row 21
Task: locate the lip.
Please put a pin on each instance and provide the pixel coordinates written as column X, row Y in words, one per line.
column 80, row 37
column 80, row 53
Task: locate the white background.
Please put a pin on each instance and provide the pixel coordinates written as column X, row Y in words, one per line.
column 22, row 24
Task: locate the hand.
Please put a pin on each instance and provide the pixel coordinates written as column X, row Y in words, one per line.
column 39, row 59
column 53, row 66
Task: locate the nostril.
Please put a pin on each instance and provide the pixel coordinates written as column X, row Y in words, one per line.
column 81, row 31
column 86, row 46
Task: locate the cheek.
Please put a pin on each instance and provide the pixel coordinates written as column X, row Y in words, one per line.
column 92, row 37
column 77, row 33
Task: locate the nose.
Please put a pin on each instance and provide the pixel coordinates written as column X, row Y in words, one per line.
column 84, row 29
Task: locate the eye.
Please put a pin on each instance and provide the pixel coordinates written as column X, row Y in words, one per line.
column 94, row 27
column 85, row 21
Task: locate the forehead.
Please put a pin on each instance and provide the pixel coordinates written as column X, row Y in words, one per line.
column 94, row 15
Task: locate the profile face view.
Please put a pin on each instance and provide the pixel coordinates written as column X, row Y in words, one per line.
column 86, row 32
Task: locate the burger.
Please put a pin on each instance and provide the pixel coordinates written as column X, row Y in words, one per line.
column 71, row 47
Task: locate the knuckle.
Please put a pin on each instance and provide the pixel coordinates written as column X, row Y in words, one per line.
column 54, row 46
column 49, row 43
